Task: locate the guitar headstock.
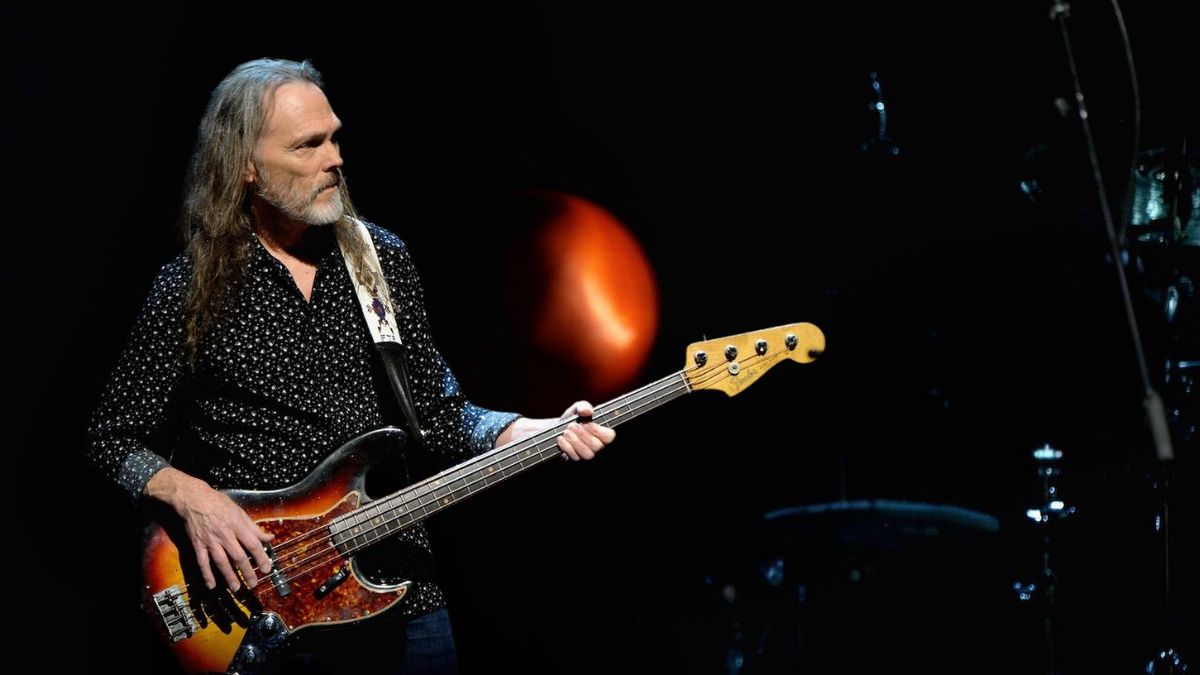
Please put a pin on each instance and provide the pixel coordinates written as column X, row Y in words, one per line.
column 730, row 364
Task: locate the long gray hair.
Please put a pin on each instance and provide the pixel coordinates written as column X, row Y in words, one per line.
column 215, row 218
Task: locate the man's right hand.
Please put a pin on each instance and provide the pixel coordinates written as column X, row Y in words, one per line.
column 221, row 533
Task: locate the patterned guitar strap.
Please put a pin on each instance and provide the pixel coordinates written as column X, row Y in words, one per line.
column 381, row 321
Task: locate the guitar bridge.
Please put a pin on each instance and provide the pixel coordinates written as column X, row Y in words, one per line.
column 177, row 617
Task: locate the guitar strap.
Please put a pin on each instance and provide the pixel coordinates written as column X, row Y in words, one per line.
column 381, row 321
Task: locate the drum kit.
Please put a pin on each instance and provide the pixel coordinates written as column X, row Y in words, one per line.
column 883, row 585
column 868, row 586
column 1163, row 241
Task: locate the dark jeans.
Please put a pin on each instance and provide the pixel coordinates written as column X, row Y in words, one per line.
column 422, row 646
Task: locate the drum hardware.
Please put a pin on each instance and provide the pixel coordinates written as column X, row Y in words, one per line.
column 1175, row 181
column 1164, row 200
column 878, row 142
column 1046, row 514
column 817, row 555
column 1164, row 238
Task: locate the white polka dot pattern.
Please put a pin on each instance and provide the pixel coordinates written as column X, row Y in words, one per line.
column 278, row 385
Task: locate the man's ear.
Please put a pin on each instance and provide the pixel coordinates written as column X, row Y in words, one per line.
column 250, row 175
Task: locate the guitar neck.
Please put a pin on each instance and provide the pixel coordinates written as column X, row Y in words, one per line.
column 385, row 517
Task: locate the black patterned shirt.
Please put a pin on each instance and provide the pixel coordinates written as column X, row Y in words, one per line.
column 280, row 384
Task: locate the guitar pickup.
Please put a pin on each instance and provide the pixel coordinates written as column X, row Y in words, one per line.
column 282, row 587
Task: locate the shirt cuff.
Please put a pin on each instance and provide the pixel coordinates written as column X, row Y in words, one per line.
column 137, row 470
column 489, row 427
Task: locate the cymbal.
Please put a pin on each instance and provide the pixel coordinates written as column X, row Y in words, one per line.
column 877, row 524
column 1164, row 201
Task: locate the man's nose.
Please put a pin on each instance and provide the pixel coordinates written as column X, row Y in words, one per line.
column 333, row 159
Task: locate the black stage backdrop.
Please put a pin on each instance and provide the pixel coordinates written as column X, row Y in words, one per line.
column 969, row 320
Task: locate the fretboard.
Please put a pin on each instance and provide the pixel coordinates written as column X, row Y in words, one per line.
column 384, row 517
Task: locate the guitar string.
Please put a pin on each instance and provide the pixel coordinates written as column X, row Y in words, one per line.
column 468, row 466
column 530, row 443
column 672, row 386
column 718, row 369
column 330, row 554
column 318, row 548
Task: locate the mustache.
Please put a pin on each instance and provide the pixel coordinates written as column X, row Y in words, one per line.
column 336, row 181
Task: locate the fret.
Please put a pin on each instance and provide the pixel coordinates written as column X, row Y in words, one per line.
column 419, row 500
column 468, row 484
column 656, row 402
column 390, row 521
column 415, row 503
column 377, row 521
column 356, row 530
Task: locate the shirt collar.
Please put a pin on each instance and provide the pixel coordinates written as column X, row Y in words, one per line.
column 262, row 262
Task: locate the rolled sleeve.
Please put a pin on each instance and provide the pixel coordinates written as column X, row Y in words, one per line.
column 489, row 425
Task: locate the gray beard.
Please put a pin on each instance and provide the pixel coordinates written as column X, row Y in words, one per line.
column 303, row 208
column 323, row 214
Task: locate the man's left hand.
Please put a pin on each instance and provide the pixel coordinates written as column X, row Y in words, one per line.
column 583, row 438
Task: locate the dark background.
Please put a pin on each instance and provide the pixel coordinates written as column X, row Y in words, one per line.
column 967, row 323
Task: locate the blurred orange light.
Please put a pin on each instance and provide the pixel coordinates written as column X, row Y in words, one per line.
column 600, row 304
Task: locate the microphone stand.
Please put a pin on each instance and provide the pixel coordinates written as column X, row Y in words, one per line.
column 1167, row 661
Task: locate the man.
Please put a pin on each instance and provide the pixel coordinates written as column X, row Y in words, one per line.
column 251, row 360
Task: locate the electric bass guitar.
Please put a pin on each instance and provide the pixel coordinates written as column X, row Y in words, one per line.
column 324, row 522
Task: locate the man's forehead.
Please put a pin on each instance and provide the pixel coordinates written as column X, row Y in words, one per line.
column 298, row 108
